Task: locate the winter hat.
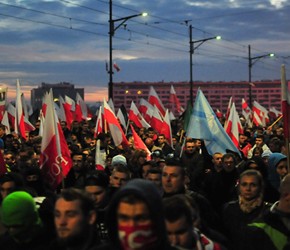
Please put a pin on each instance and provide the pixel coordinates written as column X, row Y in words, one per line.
column 119, row 159
column 266, row 153
column 19, row 208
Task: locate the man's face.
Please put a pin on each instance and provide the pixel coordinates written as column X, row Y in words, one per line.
column 118, row 179
column 282, row 169
column 172, row 179
column 97, row 193
column 189, row 147
column 136, row 214
column 7, row 188
column 155, row 178
column 9, row 159
column 161, row 140
column 145, row 169
column 217, row 160
column 77, row 162
column 259, row 142
column 249, row 187
column 180, row 233
column 197, row 144
column 229, row 164
column 69, row 220
column 242, row 139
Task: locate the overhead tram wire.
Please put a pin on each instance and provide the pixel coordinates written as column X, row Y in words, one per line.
column 54, row 25
column 86, row 7
column 51, row 14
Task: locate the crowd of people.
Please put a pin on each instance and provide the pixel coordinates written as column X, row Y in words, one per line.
column 176, row 197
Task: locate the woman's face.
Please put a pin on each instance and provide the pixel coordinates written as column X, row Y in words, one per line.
column 282, row 169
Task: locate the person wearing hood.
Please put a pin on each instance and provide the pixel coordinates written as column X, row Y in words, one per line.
column 277, row 169
column 135, row 219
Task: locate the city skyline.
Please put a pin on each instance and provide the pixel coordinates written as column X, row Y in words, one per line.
column 67, row 41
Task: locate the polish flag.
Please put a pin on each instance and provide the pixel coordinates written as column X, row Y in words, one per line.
column 81, row 110
column 233, row 125
column 3, row 95
column 246, row 111
column 116, row 67
column 155, row 100
column 262, row 112
column 19, row 116
column 55, row 160
column 156, row 120
column 69, row 108
column 100, row 157
column 136, row 117
column 276, row 113
column 116, row 131
column 229, row 108
column 5, row 122
column 218, row 113
column 139, row 143
column 99, row 123
column 166, row 128
column 60, row 109
column 146, row 109
column 174, row 100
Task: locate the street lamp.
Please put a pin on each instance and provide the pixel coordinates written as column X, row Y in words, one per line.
column 192, row 48
column 252, row 61
column 112, row 30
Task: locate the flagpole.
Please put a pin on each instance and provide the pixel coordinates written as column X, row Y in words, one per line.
column 278, row 119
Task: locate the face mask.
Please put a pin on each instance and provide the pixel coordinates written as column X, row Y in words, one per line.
column 136, row 237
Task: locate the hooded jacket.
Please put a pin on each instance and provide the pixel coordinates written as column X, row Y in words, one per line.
column 147, row 192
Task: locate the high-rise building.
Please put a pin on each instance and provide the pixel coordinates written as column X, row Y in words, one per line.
column 267, row 93
column 59, row 89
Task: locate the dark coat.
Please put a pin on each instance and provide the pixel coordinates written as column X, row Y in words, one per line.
column 235, row 221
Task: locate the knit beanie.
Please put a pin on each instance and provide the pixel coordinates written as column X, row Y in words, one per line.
column 19, row 208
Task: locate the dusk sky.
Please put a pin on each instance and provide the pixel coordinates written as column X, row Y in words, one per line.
column 67, row 41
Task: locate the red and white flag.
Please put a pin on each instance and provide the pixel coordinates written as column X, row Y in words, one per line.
column 55, row 160
column 5, row 122
column 218, row 113
column 116, row 131
column 233, row 126
column 100, row 157
column 3, row 95
column 155, row 100
column 246, row 111
column 136, row 117
column 69, row 109
column 19, row 115
column 81, row 109
column 166, row 128
column 116, row 67
column 174, row 100
column 261, row 112
column 139, row 143
column 276, row 113
column 99, row 123
column 229, row 107
column 146, row 109
column 156, row 120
